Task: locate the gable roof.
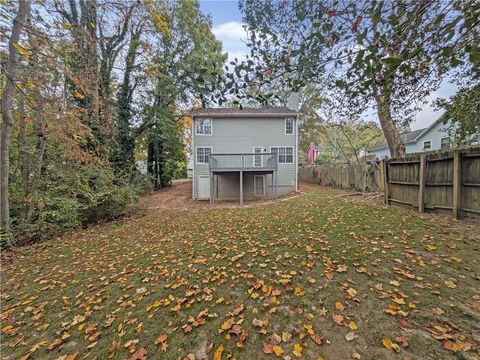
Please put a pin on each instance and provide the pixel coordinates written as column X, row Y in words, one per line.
column 250, row 112
column 408, row 137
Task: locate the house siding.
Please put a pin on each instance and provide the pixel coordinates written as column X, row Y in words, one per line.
column 434, row 134
column 241, row 135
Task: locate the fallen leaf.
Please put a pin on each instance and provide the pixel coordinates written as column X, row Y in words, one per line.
column 217, row 355
column 139, row 354
column 390, row 345
column 286, row 336
column 277, row 350
column 350, row 336
column 450, row 284
column 297, row 350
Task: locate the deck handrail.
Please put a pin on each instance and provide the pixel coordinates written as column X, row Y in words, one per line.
column 243, row 161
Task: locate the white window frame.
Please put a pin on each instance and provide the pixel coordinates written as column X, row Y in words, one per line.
column 255, row 185
column 431, row 144
column 293, row 126
column 196, row 154
column 285, row 146
column 449, row 142
column 261, row 157
column 201, row 133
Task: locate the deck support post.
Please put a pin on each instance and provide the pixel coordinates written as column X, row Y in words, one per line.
column 241, row 188
column 273, row 194
column 276, row 184
column 212, row 195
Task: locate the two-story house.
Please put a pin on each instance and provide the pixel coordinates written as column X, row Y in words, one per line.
column 244, row 154
column 434, row 137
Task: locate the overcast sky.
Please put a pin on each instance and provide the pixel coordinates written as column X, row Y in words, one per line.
column 228, row 28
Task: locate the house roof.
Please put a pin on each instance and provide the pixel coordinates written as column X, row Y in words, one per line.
column 251, row 112
column 407, row 137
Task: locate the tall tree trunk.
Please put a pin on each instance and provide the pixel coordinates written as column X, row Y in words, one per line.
column 394, row 141
column 123, row 154
column 7, row 101
column 23, row 160
column 40, row 130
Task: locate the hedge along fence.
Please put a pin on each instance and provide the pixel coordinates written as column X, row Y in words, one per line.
column 357, row 177
column 441, row 181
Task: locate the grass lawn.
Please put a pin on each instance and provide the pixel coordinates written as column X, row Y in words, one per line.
column 315, row 277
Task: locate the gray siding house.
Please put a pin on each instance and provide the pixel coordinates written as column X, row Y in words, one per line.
column 254, row 149
column 434, row 137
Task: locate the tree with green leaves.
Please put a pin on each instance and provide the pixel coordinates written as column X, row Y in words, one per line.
column 463, row 110
column 186, row 65
column 388, row 55
column 9, row 89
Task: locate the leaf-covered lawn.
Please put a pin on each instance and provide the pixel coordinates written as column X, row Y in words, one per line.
column 317, row 276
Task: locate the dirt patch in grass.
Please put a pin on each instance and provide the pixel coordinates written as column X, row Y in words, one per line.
column 318, row 275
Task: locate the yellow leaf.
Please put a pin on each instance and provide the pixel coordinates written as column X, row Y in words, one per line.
column 217, row 355
column 297, row 350
column 390, row 345
column 228, row 324
column 21, row 50
column 299, row 291
column 78, row 95
column 398, row 300
column 286, row 336
column 352, row 325
column 450, row 284
column 277, row 350
column 339, row 306
column 309, row 329
column 65, row 26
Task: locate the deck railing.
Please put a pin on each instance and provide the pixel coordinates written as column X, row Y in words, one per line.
column 244, row 161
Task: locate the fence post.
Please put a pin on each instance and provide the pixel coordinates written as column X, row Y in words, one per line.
column 421, row 182
column 385, row 180
column 457, row 185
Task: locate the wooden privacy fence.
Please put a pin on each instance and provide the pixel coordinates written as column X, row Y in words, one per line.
column 440, row 181
column 353, row 177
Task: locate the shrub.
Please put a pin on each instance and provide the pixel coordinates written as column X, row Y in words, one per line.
column 109, row 204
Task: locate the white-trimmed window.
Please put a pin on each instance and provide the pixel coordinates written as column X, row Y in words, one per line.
column 285, row 154
column 202, row 154
column 427, row 145
column 289, row 126
column 445, row 143
column 204, row 126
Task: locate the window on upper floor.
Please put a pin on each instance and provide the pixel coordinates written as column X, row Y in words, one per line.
column 427, row 145
column 285, row 154
column 204, row 126
column 289, row 126
column 445, row 143
column 203, row 154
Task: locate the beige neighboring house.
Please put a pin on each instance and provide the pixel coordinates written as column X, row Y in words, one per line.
column 244, row 154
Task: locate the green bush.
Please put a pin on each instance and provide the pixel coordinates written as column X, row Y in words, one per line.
column 6, row 240
column 109, row 204
column 78, row 197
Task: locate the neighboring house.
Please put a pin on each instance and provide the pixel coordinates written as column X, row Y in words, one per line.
column 244, row 153
column 434, row 137
column 312, row 153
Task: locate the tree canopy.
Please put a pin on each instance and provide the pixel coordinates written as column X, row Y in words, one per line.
column 385, row 55
column 88, row 87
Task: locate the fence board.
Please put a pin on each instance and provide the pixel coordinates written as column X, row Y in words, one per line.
column 355, row 177
column 400, row 180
